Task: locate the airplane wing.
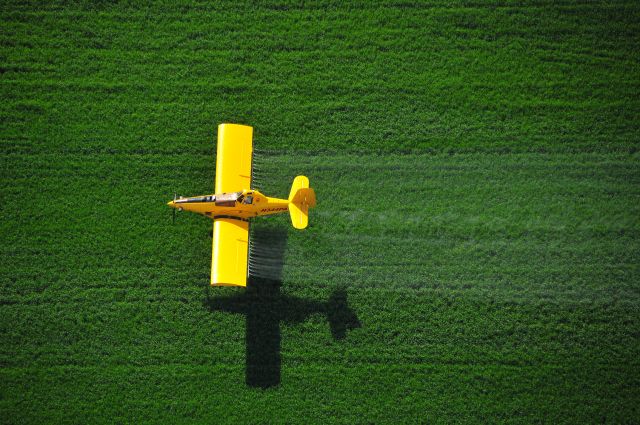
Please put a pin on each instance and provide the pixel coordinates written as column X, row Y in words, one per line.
column 233, row 161
column 230, row 252
column 231, row 236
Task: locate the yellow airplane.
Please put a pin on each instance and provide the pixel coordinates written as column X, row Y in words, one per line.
column 234, row 203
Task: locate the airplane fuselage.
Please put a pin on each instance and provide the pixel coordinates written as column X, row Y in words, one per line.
column 242, row 204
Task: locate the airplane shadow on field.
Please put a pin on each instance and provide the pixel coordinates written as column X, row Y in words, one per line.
column 266, row 307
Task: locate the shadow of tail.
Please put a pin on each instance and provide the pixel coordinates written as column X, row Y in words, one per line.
column 340, row 316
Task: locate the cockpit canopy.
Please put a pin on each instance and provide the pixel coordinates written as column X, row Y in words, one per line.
column 233, row 198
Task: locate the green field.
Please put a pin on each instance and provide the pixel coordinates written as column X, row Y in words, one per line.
column 475, row 252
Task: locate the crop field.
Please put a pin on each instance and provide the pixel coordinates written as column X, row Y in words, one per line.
column 474, row 255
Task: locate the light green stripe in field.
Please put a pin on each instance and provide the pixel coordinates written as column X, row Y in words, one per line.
column 444, row 259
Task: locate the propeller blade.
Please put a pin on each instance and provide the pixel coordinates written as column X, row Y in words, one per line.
column 175, row 196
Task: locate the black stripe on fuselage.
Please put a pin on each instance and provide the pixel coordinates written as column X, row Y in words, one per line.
column 231, row 217
column 197, row 199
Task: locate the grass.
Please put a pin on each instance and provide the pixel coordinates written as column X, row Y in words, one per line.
column 474, row 256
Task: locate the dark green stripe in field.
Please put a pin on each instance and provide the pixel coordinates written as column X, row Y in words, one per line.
column 475, row 252
column 512, row 76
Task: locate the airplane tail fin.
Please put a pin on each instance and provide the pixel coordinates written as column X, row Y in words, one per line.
column 301, row 198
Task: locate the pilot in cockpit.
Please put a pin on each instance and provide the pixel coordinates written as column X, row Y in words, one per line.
column 247, row 200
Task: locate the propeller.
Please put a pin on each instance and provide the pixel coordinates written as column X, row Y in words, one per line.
column 175, row 196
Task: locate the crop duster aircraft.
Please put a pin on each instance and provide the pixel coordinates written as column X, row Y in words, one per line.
column 234, row 203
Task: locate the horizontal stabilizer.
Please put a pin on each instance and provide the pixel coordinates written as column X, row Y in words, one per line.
column 301, row 198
